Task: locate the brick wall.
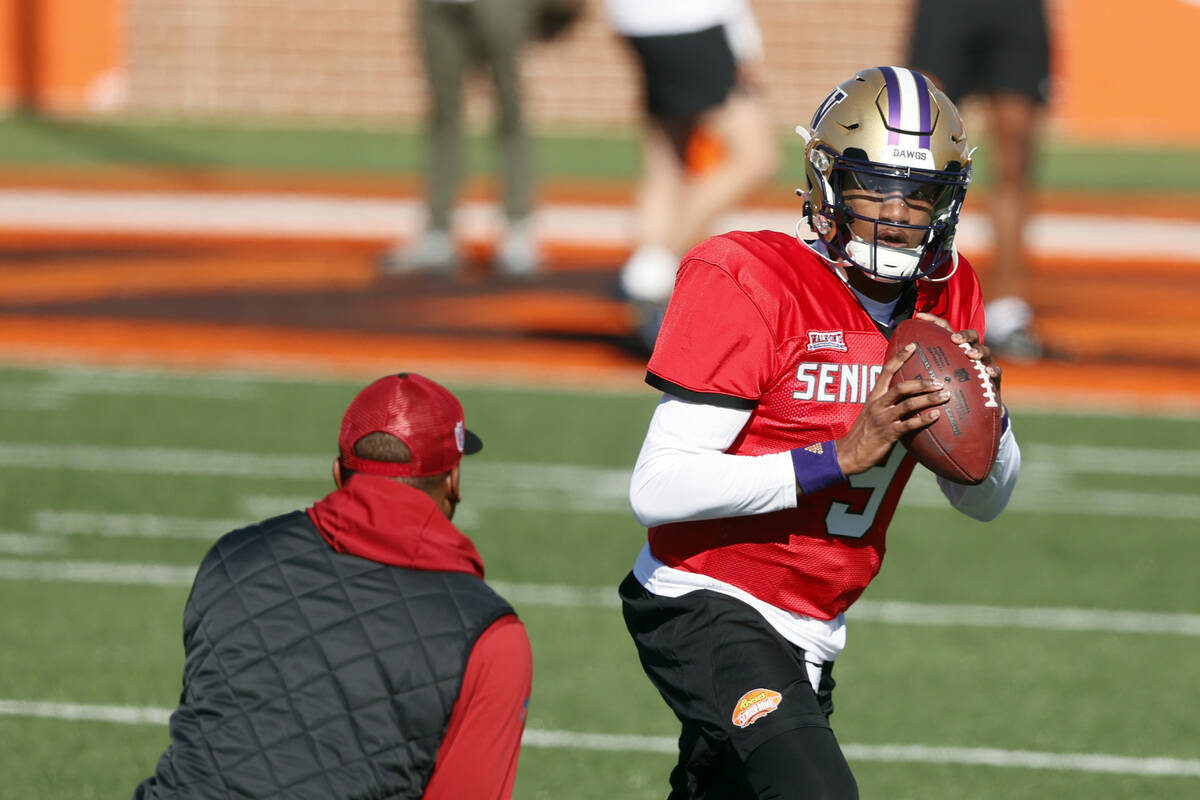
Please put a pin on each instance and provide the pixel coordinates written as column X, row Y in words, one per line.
column 357, row 61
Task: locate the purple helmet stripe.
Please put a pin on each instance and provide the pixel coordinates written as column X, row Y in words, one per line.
column 923, row 103
column 893, row 93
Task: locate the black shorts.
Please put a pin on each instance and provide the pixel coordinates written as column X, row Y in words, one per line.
column 982, row 46
column 751, row 720
column 685, row 74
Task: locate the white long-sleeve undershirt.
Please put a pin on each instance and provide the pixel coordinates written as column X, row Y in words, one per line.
column 985, row 501
column 683, row 473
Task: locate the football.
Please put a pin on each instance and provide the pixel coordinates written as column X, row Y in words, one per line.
column 961, row 445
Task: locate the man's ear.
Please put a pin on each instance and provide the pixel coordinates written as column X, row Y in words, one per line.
column 337, row 473
column 452, row 488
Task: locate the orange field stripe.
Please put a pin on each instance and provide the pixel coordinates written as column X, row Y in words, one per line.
column 42, row 340
column 613, row 191
column 35, row 339
column 1103, row 387
column 524, row 311
column 93, row 279
column 1133, row 296
column 1083, row 268
column 68, row 237
column 1122, row 340
column 560, row 256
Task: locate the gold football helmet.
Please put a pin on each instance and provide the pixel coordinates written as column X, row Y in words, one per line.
column 888, row 130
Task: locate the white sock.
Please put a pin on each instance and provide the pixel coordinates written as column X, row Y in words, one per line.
column 649, row 274
column 1006, row 316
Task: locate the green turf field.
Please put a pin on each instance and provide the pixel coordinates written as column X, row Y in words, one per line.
column 1052, row 653
column 380, row 151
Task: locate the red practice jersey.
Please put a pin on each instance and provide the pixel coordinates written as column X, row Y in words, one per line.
column 759, row 321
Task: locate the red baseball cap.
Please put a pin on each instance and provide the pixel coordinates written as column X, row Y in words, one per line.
column 417, row 411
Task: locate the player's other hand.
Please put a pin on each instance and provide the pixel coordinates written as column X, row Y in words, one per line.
column 970, row 336
column 889, row 413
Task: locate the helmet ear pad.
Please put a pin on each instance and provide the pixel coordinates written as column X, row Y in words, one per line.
column 823, row 214
column 826, row 212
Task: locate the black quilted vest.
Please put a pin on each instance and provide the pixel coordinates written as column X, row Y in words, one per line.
column 315, row 674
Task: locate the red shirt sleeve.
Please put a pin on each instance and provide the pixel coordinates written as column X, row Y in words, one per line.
column 478, row 756
column 713, row 339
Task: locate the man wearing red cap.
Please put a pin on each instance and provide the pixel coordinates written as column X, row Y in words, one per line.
column 353, row 649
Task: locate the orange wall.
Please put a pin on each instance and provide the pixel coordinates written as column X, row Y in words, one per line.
column 1124, row 71
column 1129, row 71
column 61, row 55
column 10, row 55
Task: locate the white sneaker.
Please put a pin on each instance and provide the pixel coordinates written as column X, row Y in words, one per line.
column 435, row 250
column 518, row 253
column 649, row 274
column 1010, row 330
column 1006, row 316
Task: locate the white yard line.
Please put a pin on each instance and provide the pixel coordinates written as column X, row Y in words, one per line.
column 128, row 715
column 29, row 544
column 58, row 522
column 162, row 461
column 566, row 596
column 51, row 396
column 310, row 216
column 1045, row 486
column 904, row 613
column 1025, row 759
column 1054, row 619
column 124, row 574
column 574, row 740
column 1080, row 459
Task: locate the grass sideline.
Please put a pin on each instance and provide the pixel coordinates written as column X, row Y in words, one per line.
column 277, row 145
column 1103, row 524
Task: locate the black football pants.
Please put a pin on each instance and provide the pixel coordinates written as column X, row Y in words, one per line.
column 712, row 656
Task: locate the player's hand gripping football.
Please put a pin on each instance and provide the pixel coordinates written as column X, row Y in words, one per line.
column 890, row 412
column 979, row 350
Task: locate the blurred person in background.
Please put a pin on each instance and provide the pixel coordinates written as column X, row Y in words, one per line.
column 999, row 51
column 456, row 36
column 707, row 142
column 353, row 649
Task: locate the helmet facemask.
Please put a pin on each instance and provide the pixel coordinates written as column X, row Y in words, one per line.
column 936, row 193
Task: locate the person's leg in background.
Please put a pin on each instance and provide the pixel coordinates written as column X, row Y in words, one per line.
column 1014, row 77
column 649, row 275
column 749, row 158
column 678, row 205
column 505, row 26
column 445, row 49
column 1014, row 121
column 693, row 93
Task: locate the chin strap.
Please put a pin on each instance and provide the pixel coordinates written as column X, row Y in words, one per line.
column 904, row 261
column 953, row 268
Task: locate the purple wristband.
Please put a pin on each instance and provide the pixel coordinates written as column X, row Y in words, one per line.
column 816, row 467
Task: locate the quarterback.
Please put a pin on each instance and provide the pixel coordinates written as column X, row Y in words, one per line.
column 770, row 469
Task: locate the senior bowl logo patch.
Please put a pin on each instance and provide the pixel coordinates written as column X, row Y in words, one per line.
column 754, row 705
column 826, row 340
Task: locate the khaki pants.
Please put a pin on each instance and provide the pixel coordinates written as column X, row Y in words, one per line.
column 456, row 36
